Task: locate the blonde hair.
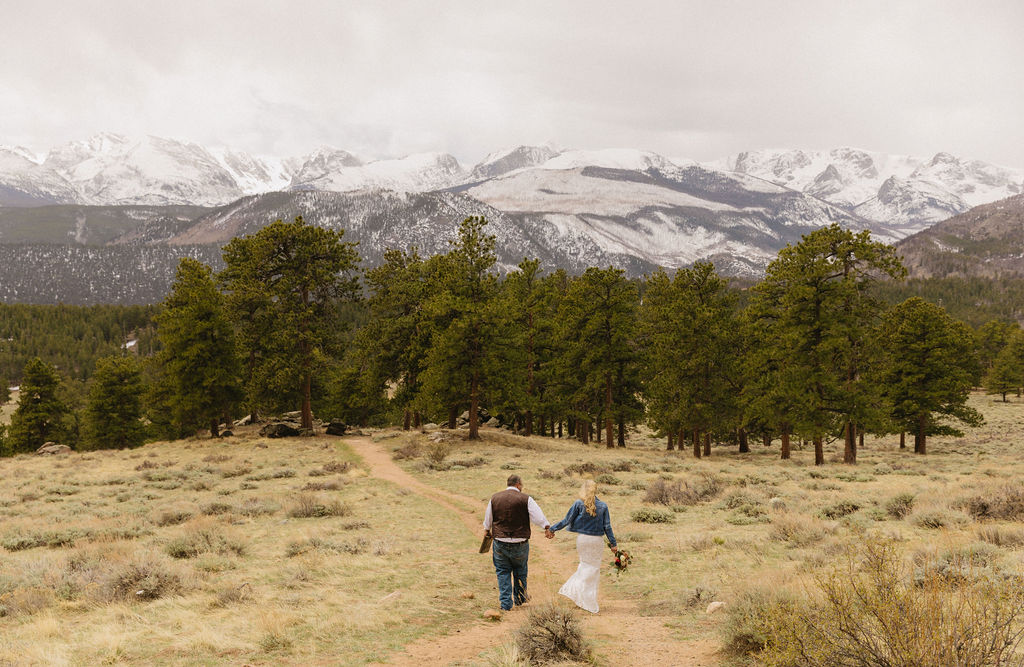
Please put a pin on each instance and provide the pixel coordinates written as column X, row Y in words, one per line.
column 588, row 493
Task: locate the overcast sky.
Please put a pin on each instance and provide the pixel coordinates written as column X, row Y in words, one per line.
column 684, row 79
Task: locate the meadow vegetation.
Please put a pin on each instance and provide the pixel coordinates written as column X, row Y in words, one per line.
column 287, row 551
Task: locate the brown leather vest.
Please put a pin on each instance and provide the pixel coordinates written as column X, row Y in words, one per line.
column 510, row 514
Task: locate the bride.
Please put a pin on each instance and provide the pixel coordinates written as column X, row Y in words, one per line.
column 588, row 517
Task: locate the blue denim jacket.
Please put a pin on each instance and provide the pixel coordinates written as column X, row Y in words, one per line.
column 578, row 521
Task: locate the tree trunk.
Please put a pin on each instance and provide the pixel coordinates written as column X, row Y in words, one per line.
column 850, row 446
column 622, row 432
column 542, row 426
column 903, row 439
column 922, row 425
column 407, row 424
column 528, row 418
column 819, row 451
column 696, row 443
column 453, row 416
column 570, row 427
column 600, row 431
column 785, row 445
column 744, row 446
column 860, row 438
column 474, row 425
column 584, row 430
column 766, row 440
column 671, row 442
column 559, row 428
column 307, row 407
column 214, row 427
column 416, row 419
column 707, row 444
column 609, row 420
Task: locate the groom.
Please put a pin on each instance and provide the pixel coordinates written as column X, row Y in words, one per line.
column 508, row 518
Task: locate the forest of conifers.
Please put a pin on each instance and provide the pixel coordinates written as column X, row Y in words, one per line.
column 832, row 343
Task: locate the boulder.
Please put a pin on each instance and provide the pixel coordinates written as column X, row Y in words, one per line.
column 430, row 427
column 279, row 430
column 244, row 421
column 714, row 606
column 226, row 434
column 306, row 433
column 336, row 428
column 53, row 448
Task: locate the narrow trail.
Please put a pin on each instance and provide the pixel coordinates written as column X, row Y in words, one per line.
column 619, row 632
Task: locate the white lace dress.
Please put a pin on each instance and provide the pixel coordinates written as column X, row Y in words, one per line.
column 582, row 585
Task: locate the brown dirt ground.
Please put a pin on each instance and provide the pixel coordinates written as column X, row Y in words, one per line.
column 620, row 634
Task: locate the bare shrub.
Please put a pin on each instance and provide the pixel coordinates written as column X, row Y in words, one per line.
column 938, row 518
column 552, row 634
column 870, row 610
column 585, row 468
column 797, row 529
column 1006, row 502
column 203, row 538
column 683, row 492
column 900, row 505
column 1001, row 536
column 839, row 510
column 409, row 450
column 437, row 452
column 141, row 577
column 321, row 486
column 308, row 506
column 236, row 471
column 337, row 467
column 172, row 517
column 253, row 507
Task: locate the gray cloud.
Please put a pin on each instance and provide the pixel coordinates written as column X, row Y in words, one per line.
column 686, row 79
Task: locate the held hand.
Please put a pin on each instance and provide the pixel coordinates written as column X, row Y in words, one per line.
column 548, row 533
column 615, row 550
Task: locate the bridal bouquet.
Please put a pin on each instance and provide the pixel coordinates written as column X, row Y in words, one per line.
column 622, row 561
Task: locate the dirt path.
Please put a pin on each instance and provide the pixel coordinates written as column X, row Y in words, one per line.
column 619, row 632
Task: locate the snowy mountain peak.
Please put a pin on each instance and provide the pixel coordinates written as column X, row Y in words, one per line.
column 609, row 158
column 509, row 160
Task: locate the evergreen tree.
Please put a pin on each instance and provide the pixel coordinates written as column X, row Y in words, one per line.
column 197, row 367
column 599, row 323
column 992, row 337
column 818, row 299
column 392, row 347
column 928, row 370
column 37, row 419
column 114, row 408
column 466, row 321
column 1007, row 371
column 292, row 276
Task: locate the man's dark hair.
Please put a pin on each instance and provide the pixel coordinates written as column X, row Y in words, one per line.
column 514, row 480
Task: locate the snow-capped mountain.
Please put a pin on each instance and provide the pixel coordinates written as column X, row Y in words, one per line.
column 340, row 171
column 25, row 182
column 508, row 160
column 903, row 192
column 111, row 169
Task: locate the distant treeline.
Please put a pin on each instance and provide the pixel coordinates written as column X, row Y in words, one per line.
column 830, row 344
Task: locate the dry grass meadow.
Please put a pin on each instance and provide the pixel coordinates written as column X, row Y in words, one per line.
column 293, row 551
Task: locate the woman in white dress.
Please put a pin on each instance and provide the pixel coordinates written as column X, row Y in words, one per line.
column 589, row 519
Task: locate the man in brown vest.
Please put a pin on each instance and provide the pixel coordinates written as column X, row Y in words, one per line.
column 508, row 518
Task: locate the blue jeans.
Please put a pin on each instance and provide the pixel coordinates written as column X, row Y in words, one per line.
column 510, row 560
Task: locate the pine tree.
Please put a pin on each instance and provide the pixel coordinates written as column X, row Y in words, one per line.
column 599, row 322
column 197, row 367
column 1007, row 371
column 817, row 298
column 928, row 369
column 113, row 412
column 38, row 416
column 466, row 322
column 292, row 276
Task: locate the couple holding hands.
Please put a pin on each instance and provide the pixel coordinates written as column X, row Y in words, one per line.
column 507, row 519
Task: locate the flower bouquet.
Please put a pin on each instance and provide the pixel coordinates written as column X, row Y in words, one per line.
column 621, row 561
